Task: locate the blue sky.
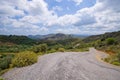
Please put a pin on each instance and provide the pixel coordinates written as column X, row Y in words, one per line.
column 85, row 17
column 68, row 6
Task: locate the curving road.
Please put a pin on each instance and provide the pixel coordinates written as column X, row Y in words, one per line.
column 67, row 66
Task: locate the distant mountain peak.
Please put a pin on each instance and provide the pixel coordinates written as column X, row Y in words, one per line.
column 57, row 36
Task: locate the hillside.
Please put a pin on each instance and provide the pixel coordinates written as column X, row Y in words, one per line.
column 102, row 37
column 58, row 36
column 109, row 43
column 14, row 39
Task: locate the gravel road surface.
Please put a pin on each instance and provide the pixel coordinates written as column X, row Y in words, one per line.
column 67, row 66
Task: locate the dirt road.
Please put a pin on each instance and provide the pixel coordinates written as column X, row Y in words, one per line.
column 67, row 66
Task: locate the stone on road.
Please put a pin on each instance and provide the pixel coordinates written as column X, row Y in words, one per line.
column 66, row 66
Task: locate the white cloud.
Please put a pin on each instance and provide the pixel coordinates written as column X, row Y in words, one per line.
column 73, row 30
column 36, row 17
column 17, row 24
column 34, row 7
column 63, row 20
column 37, row 30
column 44, row 29
column 57, row 8
column 78, row 1
column 111, row 4
column 19, row 4
column 6, row 10
column 67, row 20
column 38, row 7
column 102, row 17
column 31, row 19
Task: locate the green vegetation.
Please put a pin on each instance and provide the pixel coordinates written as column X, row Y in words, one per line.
column 109, row 43
column 71, row 44
column 5, row 61
column 9, row 60
column 19, row 51
column 1, row 78
column 14, row 48
column 110, row 47
column 13, row 39
column 40, row 48
column 24, row 59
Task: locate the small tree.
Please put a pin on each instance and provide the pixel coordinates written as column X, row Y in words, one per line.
column 37, row 48
column 43, row 48
column 110, row 41
column 40, row 48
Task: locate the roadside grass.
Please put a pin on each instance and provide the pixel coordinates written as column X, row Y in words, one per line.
column 1, row 78
column 112, row 60
column 3, row 71
column 24, row 59
column 114, row 56
column 11, row 60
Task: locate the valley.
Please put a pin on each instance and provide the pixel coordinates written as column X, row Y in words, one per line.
column 14, row 47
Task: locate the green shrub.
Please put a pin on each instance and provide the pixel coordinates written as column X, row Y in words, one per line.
column 116, row 63
column 110, row 41
column 5, row 61
column 40, row 48
column 4, row 64
column 24, row 59
column 1, row 78
column 44, row 48
column 52, row 51
column 36, row 49
column 61, row 49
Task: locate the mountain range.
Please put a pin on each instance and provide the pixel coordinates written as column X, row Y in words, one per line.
column 31, row 39
column 57, row 36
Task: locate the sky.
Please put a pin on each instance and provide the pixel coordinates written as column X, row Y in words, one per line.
column 84, row 17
